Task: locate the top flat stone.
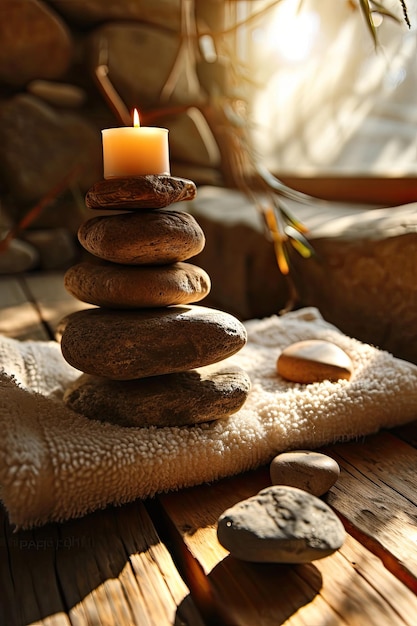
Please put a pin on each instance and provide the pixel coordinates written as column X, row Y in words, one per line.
column 153, row 191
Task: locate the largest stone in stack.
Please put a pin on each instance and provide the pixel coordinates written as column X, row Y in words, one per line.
column 148, row 355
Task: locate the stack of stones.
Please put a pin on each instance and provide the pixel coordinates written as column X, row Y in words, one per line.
column 149, row 355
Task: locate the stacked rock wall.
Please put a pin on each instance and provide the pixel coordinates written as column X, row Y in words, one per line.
column 60, row 60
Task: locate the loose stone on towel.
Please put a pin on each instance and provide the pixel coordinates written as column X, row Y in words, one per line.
column 280, row 525
column 124, row 345
column 139, row 192
column 314, row 360
column 125, row 287
column 181, row 399
column 308, row 470
column 150, row 237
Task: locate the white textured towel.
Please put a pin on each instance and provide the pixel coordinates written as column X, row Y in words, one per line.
column 56, row 464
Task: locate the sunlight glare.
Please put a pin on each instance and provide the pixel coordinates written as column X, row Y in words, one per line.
column 291, row 34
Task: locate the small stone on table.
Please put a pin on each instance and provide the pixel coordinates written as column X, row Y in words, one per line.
column 280, row 525
column 312, row 471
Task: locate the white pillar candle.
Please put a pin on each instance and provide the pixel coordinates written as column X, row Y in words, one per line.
column 135, row 151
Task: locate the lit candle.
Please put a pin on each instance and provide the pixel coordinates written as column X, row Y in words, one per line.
column 135, row 151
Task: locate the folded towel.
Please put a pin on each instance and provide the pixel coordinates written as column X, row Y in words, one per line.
column 56, row 464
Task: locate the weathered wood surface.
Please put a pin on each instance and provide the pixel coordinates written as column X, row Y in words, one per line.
column 350, row 587
column 158, row 562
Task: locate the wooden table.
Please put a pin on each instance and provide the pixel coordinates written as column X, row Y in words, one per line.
column 158, row 562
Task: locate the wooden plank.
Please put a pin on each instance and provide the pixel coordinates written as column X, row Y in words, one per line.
column 381, row 473
column 401, row 600
column 54, row 302
column 227, row 590
column 340, row 589
column 19, row 318
column 408, row 433
column 30, row 592
column 373, row 190
column 108, row 568
column 362, row 591
column 369, row 595
column 119, row 572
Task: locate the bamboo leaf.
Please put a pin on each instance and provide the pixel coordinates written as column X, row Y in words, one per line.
column 306, row 252
column 293, row 221
column 281, row 257
column 379, row 8
column 366, row 10
column 299, row 242
column 270, row 219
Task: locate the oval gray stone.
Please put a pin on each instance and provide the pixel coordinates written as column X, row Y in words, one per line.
column 123, row 345
column 127, row 287
column 312, row 471
column 185, row 398
column 154, row 237
column 280, row 525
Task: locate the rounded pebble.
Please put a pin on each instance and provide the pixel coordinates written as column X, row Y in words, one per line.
column 280, row 525
column 123, row 345
column 151, row 237
column 312, row 471
column 313, row 361
column 126, row 287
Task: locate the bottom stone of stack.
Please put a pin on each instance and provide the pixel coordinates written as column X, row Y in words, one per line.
column 180, row 399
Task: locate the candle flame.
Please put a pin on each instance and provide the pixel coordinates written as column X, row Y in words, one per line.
column 136, row 122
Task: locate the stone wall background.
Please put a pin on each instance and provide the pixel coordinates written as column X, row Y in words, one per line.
column 53, row 107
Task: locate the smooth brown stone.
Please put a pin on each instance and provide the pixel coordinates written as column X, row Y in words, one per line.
column 127, row 287
column 185, row 398
column 24, row 168
column 123, row 345
column 139, row 192
column 35, row 43
column 57, row 94
column 153, row 237
column 308, row 470
column 313, row 361
column 141, row 58
column 93, row 12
